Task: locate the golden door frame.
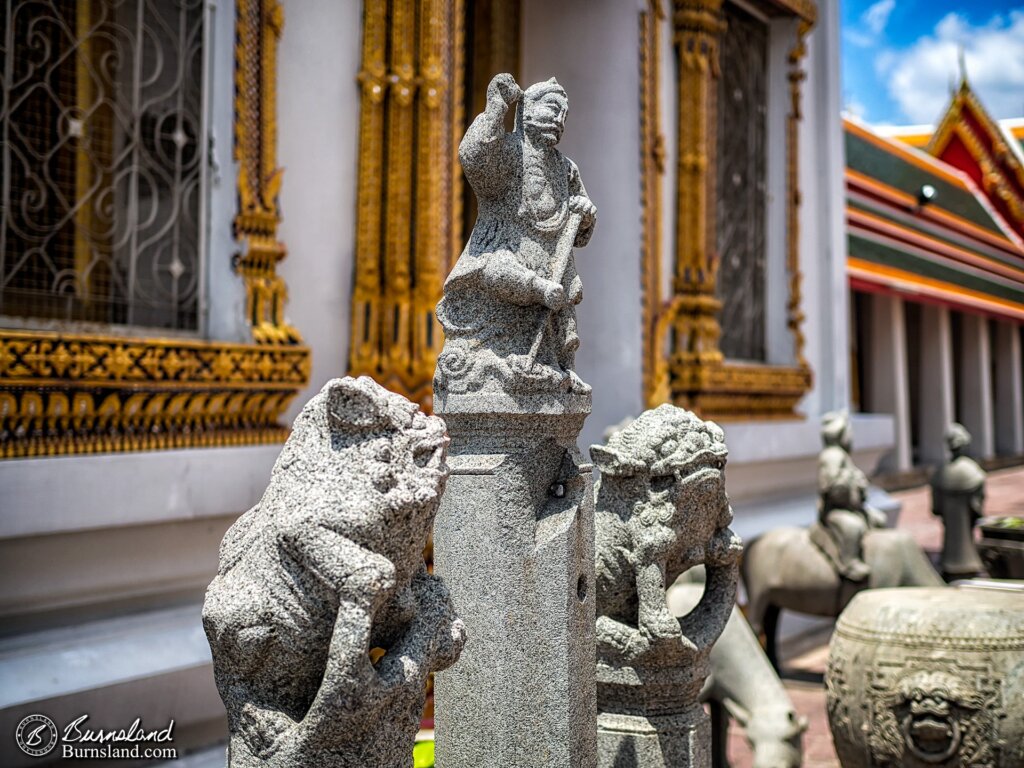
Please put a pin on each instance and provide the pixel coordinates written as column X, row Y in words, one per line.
column 682, row 359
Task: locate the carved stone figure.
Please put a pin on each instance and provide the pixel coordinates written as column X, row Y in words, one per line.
column 958, row 495
column 843, row 513
column 508, row 310
column 323, row 621
column 743, row 687
column 661, row 509
column 514, row 538
column 783, row 569
column 928, row 677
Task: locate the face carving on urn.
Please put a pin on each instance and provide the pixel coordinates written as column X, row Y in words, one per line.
column 929, row 708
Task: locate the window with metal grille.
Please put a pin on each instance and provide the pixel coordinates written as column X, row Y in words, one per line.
column 742, row 183
column 103, row 196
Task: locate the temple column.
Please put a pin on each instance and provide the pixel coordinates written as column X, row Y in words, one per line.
column 697, row 26
column 975, row 395
column 888, row 388
column 935, row 393
column 1009, row 401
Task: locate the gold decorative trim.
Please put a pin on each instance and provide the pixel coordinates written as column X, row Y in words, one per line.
column 259, row 24
column 73, row 393
column 410, row 99
column 732, row 392
column 806, row 10
column 699, row 377
column 64, row 393
column 794, row 304
column 652, row 170
column 992, row 163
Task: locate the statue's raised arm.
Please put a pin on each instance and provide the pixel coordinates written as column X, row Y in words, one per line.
column 508, row 310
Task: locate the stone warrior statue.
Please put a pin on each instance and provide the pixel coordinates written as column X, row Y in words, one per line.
column 323, row 621
column 508, row 310
column 958, row 494
column 843, row 514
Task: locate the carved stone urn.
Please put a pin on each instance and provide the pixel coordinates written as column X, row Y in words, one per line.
column 929, row 677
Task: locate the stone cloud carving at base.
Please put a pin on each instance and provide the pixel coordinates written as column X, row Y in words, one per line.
column 323, row 576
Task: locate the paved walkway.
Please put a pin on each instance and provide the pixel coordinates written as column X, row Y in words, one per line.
column 805, row 665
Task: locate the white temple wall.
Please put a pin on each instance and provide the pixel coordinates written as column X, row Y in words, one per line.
column 592, row 47
column 318, row 147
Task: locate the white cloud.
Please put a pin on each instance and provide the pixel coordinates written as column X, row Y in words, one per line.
column 919, row 78
column 871, row 25
column 877, row 16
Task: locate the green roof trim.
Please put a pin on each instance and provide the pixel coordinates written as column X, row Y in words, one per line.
column 884, row 211
column 891, row 169
column 878, row 253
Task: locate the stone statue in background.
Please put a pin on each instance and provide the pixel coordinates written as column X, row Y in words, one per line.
column 743, row 686
column 958, row 495
column 508, row 310
column 661, row 509
column 323, row 621
column 843, row 513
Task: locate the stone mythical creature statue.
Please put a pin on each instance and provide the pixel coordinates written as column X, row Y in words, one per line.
column 661, row 509
column 958, row 497
column 508, row 310
column 843, row 513
column 323, row 621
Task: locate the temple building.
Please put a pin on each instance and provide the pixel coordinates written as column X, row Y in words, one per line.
column 212, row 208
column 935, row 232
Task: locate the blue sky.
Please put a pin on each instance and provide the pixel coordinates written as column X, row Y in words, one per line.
column 900, row 56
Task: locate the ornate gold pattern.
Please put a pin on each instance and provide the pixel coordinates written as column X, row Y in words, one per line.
column 807, row 10
column 698, row 376
column 76, row 393
column 698, row 25
column 652, row 170
column 794, row 310
column 408, row 107
column 70, row 393
column 992, row 163
column 259, row 25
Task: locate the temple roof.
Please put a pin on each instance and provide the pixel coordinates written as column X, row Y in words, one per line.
column 961, row 245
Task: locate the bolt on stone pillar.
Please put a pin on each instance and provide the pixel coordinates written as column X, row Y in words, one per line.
column 514, row 537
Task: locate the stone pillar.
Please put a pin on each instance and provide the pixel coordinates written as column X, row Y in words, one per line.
column 887, row 379
column 514, row 537
column 514, row 540
column 975, row 395
column 1009, row 406
column 935, row 395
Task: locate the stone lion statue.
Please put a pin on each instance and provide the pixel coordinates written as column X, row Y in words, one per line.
column 323, row 621
column 661, row 509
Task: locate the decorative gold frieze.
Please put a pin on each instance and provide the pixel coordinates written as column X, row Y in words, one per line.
column 259, row 24
column 405, row 231
column 63, row 393
column 698, row 376
column 736, row 391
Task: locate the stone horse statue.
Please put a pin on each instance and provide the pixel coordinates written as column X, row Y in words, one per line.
column 743, row 687
column 785, row 569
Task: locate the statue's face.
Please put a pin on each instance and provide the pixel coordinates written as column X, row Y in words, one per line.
column 544, row 119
